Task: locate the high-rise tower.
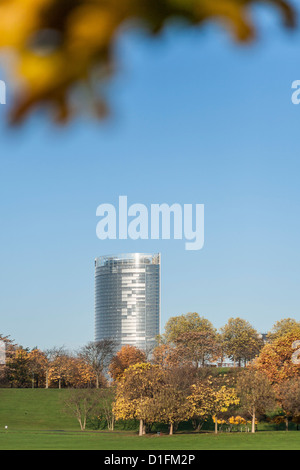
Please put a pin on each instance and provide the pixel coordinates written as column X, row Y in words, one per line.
column 127, row 299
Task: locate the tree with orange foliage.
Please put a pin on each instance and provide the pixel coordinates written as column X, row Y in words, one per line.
column 81, row 374
column 18, row 370
column 198, row 348
column 165, row 356
column 126, row 357
column 37, row 366
column 283, row 327
column 275, row 359
column 51, row 356
column 59, row 368
column 70, row 371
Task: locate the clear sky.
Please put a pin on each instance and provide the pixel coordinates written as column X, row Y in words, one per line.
column 196, row 119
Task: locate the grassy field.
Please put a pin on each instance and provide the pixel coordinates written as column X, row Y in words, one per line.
column 38, row 409
column 54, row 440
column 35, row 421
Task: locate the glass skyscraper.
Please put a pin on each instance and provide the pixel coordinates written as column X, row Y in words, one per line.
column 127, row 299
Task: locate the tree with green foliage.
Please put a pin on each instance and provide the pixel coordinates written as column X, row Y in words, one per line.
column 191, row 340
column 240, row 341
column 190, row 322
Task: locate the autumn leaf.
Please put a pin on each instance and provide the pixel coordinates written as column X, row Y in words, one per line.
column 60, row 45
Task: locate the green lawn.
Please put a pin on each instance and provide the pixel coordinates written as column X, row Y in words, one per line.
column 35, row 421
column 38, row 409
column 43, row 440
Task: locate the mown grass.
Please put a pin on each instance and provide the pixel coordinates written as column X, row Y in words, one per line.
column 54, row 440
column 37, row 409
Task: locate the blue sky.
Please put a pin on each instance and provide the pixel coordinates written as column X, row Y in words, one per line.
column 196, row 119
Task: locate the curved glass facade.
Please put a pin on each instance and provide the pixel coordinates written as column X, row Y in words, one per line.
column 127, row 299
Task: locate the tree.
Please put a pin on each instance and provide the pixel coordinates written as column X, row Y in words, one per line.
column 240, row 341
column 282, row 328
column 45, row 35
column 52, row 356
column 37, row 366
column 98, row 355
column 138, row 385
column 275, row 359
column 189, row 339
column 81, row 404
column 79, row 374
column 201, row 402
column 126, row 357
column 198, row 348
column 224, row 398
column 209, row 397
column 165, row 356
column 18, row 370
column 105, row 405
column 289, row 398
column 59, row 370
column 169, row 403
column 224, row 395
column 67, row 370
column 255, row 393
column 176, row 327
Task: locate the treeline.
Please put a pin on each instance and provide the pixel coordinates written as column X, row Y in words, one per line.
column 182, row 379
column 180, row 384
column 57, row 367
